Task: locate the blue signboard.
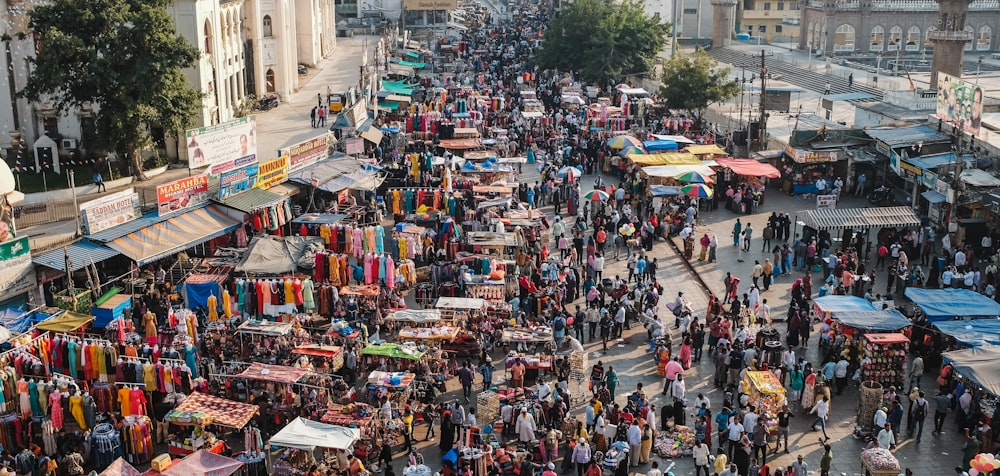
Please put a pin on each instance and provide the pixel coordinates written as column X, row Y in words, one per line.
column 238, row 181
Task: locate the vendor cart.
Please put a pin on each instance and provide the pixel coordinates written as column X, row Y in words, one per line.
column 767, row 395
column 879, row 462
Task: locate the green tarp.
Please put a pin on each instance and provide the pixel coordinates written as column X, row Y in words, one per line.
column 412, row 64
column 402, row 89
column 390, row 105
column 413, row 54
column 392, row 350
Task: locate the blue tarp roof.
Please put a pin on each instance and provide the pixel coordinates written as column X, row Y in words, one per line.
column 934, row 197
column 884, row 320
column 81, row 253
column 933, row 161
column 978, row 364
column 907, row 136
column 972, row 333
column 664, row 190
column 843, row 304
column 660, row 145
column 19, row 321
column 947, row 304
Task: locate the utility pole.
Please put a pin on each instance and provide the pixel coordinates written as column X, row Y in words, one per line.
column 762, row 121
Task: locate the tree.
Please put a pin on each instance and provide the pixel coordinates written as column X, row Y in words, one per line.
column 602, row 40
column 122, row 57
column 691, row 83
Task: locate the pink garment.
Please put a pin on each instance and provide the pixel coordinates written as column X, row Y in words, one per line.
column 368, row 269
column 55, row 405
column 359, row 250
column 390, row 273
column 685, row 356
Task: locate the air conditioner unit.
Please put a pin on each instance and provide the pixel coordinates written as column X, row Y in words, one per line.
column 69, row 143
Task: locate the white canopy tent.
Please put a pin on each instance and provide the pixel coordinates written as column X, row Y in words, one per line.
column 675, row 170
column 308, row 435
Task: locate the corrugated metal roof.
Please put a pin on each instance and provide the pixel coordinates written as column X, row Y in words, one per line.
column 81, row 253
column 145, row 221
column 859, row 218
column 905, row 136
column 848, row 97
column 926, row 162
column 251, row 199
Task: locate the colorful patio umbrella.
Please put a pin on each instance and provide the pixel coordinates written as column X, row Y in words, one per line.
column 693, row 176
column 596, row 195
column 697, row 190
column 622, row 142
column 572, row 171
column 631, row 150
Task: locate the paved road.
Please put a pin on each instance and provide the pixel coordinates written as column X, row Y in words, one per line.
column 933, row 456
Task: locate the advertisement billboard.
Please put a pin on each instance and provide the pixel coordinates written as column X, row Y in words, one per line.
column 960, row 103
column 181, row 194
column 108, row 212
column 229, row 165
column 306, row 153
column 238, row 181
column 219, row 143
column 416, row 5
column 272, row 172
column 17, row 275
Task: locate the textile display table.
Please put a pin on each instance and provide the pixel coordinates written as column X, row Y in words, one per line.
column 444, row 333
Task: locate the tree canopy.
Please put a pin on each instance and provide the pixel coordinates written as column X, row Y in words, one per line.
column 122, row 57
column 602, row 40
column 691, row 83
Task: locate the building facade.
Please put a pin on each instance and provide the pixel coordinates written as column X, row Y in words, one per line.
column 694, row 17
column 771, row 20
column 847, row 27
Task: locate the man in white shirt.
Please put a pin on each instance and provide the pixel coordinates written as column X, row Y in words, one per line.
column 702, row 399
column 749, row 355
column 750, row 420
column 678, row 389
column 735, row 433
column 880, row 417
column 822, row 410
column 840, row 373
column 700, row 452
column 885, row 437
column 634, row 441
column 960, row 258
column 732, row 470
column 543, row 390
column 916, row 371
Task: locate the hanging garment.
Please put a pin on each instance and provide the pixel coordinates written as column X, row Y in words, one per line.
column 307, row 295
column 227, row 305
column 213, row 308
column 76, row 409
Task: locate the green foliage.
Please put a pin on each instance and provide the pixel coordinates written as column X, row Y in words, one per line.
column 602, row 40
column 122, row 56
column 691, row 83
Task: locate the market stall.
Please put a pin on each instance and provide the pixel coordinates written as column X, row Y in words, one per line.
column 948, row 304
column 976, row 369
column 879, row 462
column 306, row 443
column 824, row 307
column 200, row 410
column 391, row 355
column 767, row 395
column 887, row 359
column 204, row 463
column 459, row 308
column 847, row 330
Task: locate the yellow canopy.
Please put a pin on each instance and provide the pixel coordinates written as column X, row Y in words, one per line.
column 65, row 322
column 705, row 149
column 765, row 382
column 666, row 158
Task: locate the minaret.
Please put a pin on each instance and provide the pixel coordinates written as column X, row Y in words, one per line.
column 949, row 39
column 722, row 22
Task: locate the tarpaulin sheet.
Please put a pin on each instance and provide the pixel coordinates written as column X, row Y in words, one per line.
column 223, row 412
column 980, row 332
column 360, row 179
column 704, row 149
column 65, row 322
column 395, row 351
column 947, row 304
column 270, row 255
column 196, row 294
column 120, row 467
column 273, row 373
column 204, row 463
column 459, row 303
column 749, row 167
column 316, row 350
column 651, row 145
column 884, row 320
column 666, row 158
column 175, row 234
column 978, row 364
column 664, row 190
column 400, row 88
column 418, row 316
column 458, row 144
column 675, row 170
column 308, row 435
column 842, row 304
column 266, row 328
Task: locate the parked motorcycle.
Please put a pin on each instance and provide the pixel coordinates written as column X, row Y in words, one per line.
column 268, row 102
column 882, row 197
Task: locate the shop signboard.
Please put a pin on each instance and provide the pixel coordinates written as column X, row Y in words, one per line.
column 358, row 113
column 182, row 194
column 910, row 170
column 238, row 181
column 882, row 148
column 934, row 214
column 929, row 179
column 417, row 5
column 17, row 275
column 826, row 201
column 894, row 161
column 218, row 143
column 810, row 156
column 272, row 172
column 222, row 167
column 108, row 212
column 960, row 103
column 306, row 153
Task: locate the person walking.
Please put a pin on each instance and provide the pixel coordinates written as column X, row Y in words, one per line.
column 799, row 467
column 312, row 116
column 767, row 235
column 581, row 456
column 850, row 81
column 826, row 88
column 747, row 235
column 943, row 402
column 701, row 452
column 466, row 376
column 822, row 410
column 826, row 462
column 918, row 414
column 99, row 182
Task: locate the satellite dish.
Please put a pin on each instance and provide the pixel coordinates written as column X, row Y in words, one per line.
column 7, row 182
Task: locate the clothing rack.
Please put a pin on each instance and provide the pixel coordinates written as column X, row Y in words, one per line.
column 126, row 384
column 42, row 336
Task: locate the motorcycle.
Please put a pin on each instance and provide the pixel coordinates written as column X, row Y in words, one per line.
column 882, row 197
column 268, row 102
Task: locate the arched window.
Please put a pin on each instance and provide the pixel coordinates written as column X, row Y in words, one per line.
column 895, row 38
column 843, row 39
column 267, row 25
column 913, row 39
column 877, row 42
column 972, row 33
column 208, row 37
column 985, row 38
column 927, row 41
column 269, row 78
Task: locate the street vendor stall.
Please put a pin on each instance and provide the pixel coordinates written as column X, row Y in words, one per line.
column 847, row 330
column 442, row 333
column 200, row 410
column 824, row 306
column 459, row 308
column 395, row 356
column 767, row 395
column 417, row 317
column 879, row 462
column 203, row 463
column 302, row 438
column 886, row 355
column 947, row 304
column 976, row 369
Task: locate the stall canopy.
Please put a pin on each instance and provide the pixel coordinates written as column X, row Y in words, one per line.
column 978, row 364
column 842, row 304
column 397, row 87
column 273, row 373
column 705, row 149
column 859, row 218
column 652, row 145
column 266, row 328
column 65, row 322
column 884, row 320
column 460, row 144
column 120, row 467
column 675, row 170
column 947, row 304
column 204, row 463
column 675, row 138
column 319, row 219
column 269, row 255
column 174, row 234
column 81, row 253
column 750, row 167
column 316, row 350
column 308, row 435
column 982, row 332
column 666, row 158
column 394, row 351
column 223, row 412
column 664, row 190
column 418, row 316
column 360, row 179
column 459, row 303
column 20, row 320
column 490, row 238
column 197, row 288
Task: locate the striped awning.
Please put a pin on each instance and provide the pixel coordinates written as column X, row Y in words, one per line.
column 859, row 218
column 174, row 234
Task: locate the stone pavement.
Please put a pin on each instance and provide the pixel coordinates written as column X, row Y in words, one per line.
column 934, row 455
